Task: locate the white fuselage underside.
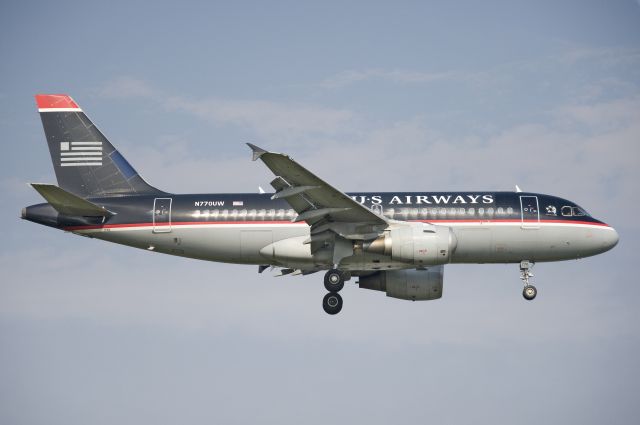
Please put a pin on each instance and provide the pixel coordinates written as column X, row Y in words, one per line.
column 477, row 242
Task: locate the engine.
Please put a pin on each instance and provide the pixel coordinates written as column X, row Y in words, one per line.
column 421, row 284
column 416, row 244
column 420, row 244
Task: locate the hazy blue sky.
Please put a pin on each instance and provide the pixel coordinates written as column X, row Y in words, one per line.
column 442, row 95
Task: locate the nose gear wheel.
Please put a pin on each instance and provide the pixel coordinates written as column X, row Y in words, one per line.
column 529, row 291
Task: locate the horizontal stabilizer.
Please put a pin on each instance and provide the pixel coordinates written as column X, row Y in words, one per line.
column 69, row 204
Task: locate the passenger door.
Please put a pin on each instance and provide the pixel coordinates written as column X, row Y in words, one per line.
column 529, row 212
column 161, row 215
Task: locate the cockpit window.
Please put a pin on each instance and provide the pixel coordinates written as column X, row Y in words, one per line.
column 568, row 211
column 578, row 212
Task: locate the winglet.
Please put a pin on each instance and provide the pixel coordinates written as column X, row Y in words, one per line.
column 257, row 152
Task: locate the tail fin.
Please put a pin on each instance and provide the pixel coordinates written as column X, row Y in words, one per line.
column 86, row 164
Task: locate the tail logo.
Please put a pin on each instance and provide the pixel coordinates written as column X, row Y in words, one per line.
column 80, row 154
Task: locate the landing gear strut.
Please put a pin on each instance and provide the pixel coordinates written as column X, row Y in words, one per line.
column 529, row 292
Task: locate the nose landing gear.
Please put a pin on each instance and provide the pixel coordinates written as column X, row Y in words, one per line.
column 529, row 292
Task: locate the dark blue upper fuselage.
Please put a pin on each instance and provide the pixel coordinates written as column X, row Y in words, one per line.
column 419, row 206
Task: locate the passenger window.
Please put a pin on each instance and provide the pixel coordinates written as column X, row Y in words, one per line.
column 462, row 211
column 480, row 212
column 252, row 214
column 472, row 211
column 215, row 214
column 500, row 211
column 390, row 213
column 225, row 214
column 196, row 213
column 509, row 210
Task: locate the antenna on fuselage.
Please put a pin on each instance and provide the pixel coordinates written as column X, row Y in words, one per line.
column 518, row 189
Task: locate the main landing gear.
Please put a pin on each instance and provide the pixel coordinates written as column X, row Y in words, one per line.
column 332, row 303
column 333, row 281
column 529, row 292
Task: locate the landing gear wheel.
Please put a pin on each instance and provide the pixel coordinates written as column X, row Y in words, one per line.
column 332, row 303
column 529, row 292
column 334, row 280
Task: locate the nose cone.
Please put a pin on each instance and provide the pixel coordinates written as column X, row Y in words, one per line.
column 609, row 238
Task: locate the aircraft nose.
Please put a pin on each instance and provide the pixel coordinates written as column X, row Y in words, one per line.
column 610, row 238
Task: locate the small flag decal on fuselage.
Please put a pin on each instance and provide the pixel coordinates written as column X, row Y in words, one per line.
column 238, row 203
column 80, row 154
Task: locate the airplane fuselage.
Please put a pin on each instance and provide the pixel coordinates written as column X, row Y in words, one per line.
column 489, row 227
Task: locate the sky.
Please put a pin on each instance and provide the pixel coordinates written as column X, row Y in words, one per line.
column 371, row 96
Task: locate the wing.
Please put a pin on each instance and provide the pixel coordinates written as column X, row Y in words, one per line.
column 325, row 209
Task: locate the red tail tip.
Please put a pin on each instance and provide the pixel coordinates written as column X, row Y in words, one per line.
column 55, row 101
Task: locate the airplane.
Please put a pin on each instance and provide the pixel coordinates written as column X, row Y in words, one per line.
column 394, row 242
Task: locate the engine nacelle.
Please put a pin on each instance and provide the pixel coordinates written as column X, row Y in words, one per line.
column 416, row 243
column 415, row 285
